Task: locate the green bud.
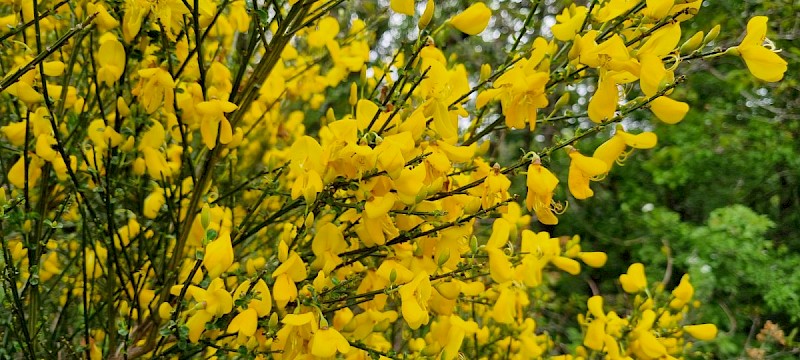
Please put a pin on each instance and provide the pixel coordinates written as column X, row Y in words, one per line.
column 473, row 244
column 561, row 102
column 712, row 35
column 486, row 71
column 692, row 44
column 443, row 257
column 353, row 99
column 393, row 276
column 205, row 216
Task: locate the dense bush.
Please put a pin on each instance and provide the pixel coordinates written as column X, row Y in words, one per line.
column 274, row 180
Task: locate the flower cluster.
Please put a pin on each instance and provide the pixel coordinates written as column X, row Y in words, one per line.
column 186, row 178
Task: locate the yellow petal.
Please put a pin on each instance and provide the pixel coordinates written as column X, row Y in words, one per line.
column 610, row 150
column 702, row 332
column 668, row 110
column 595, row 335
column 403, row 6
column 473, row 20
column 634, row 280
column 651, row 346
column 500, row 232
column 298, row 319
column 604, row 101
column 594, row 259
column 763, row 63
column 756, row 31
column 379, row 205
column 595, row 305
column 196, row 325
column 245, row 323
column 645, row 140
column 504, row 308
column 327, row 341
column 499, row 266
column 219, row 255
column 569, row 265
column 427, row 15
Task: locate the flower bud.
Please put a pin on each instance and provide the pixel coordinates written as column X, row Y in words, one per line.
column 426, row 17
column 692, row 44
column 712, row 35
column 353, row 99
column 205, row 216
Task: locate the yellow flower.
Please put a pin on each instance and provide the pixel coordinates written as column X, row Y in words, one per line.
column 111, row 58
column 261, row 301
column 504, row 309
column 218, row 255
column 603, row 103
column 216, row 299
column 594, row 259
column 613, row 150
column 650, row 345
column 541, row 185
column 214, row 122
column 521, row 91
column 499, row 266
column 763, row 63
column 156, row 89
column 595, row 334
column 414, row 297
column 245, row 323
column 668, row 110
column 702, row 332
column 473, row 20
column 327, row 245
column 327, row 341
column 582, row 169
column 569, row 22
column 197, row 324
column 291, row 271
column 682, row 293
column 634, row 280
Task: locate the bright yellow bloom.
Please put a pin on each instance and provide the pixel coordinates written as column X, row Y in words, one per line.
column 153, row 203
column 197, row 324
column 594, row 259
column 569, row 22
column 668, row 110
column 499, row 266
column 327, row 245
column 473, row 20
column 613, row 150
column 218, row 255
column 504, row 310
column 327, row 341
column 595, row 335
column 541, row 185
column 762, row 62
column 111, row 58
column 214, row 123
column 414, row 297
column 521, row 91
column 634, row 280
column 582, row 169
column 245, row 323
column 682, row 293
